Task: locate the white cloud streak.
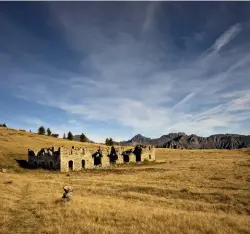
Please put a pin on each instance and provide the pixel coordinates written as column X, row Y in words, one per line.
column 150, row 15
column 123, row 80
column 226, row 37
column 222, row 41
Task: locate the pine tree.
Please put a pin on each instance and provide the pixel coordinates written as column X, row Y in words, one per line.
column 70, row 136
column 109, row 141
column 48, row 132
column 41, row 130
column 83, row 138
column 4, row 125
column 64, row 136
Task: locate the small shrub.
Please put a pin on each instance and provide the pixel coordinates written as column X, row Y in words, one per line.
column 8, row 182
column 145, row 161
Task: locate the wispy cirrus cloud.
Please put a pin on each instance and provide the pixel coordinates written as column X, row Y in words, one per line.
column 134, row 82
column 151, row 10
column 226, row 37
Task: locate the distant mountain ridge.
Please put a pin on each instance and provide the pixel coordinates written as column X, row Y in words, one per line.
column 182, row 141
column 137, row 139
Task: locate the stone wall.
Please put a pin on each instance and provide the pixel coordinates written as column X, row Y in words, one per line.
column 45, row 158
column 148, row 153
column 81, row 158
column 76, row 159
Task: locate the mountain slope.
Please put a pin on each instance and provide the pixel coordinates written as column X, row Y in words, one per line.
column 137, row 139
column 182, row 141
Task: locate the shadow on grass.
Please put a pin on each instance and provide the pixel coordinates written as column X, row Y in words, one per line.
column 24, row 164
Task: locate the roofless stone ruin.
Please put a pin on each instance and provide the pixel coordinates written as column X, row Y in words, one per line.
column 75, row 159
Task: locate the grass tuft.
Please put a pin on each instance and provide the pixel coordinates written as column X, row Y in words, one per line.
column 201, row 191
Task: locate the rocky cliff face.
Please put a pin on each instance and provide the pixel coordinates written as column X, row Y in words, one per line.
column 182, row 141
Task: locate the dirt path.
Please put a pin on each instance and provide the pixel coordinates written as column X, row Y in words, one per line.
column 24, row 216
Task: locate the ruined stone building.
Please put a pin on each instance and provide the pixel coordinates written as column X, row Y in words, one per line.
column 75, row 159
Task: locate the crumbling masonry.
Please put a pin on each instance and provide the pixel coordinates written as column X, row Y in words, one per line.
column 75, row 159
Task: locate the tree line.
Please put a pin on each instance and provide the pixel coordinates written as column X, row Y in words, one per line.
column 109, row 142
column 70, row 136
column 42, row 131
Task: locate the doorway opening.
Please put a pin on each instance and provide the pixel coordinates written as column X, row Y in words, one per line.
column 126, row 155
column 126, row 158
column 97, row 158
column 138, row 152
column 71, row 165
column 83, row 163
column 113, row 155
column 97, row 161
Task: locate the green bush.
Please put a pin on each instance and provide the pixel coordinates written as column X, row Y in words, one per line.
column 145, row 161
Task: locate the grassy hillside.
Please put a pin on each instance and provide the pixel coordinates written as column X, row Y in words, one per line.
column 14, row 144
column 191, row 191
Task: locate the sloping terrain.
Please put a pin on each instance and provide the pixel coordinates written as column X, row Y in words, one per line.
column 14, row 145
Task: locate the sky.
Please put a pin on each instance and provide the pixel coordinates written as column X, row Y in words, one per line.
column 116, row 69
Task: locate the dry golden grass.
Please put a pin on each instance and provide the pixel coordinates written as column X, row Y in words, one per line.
column 14, row 145
column 192, row 191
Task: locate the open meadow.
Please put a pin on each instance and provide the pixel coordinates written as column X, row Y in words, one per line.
column 186, row 191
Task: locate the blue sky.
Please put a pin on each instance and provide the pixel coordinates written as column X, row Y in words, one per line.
column 115, row 69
